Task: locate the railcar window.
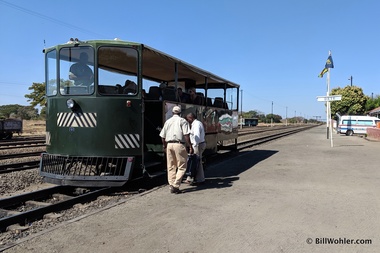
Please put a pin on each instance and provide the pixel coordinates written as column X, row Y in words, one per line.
column 51, row 73
column 117, row 71
column 76, row 69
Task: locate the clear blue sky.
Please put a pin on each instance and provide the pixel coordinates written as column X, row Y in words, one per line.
column 274, row 49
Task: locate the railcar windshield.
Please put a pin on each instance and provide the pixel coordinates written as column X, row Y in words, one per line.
column 76, row 70
column 117, row 69
column 51, row 73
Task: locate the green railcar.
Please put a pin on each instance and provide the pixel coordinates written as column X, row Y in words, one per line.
column 107, row 102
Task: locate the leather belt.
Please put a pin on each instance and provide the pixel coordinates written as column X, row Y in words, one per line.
column 176, row 142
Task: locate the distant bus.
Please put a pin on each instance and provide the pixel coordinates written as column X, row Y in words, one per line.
column 350, row 125
column 251, row 122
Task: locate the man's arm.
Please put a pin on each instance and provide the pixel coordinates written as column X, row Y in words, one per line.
column 163, row 143
column 187, row 139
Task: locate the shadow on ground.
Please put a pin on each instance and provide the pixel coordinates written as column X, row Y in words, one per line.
column 224, row 173
column 219, row 174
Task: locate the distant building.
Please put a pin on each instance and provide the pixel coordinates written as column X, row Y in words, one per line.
column 375, row 112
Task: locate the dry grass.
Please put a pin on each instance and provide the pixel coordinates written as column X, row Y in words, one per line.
column 33, row 127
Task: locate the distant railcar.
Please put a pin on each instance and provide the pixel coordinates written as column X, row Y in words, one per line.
column 10, row 126
column 251, row 122
column 107, row 102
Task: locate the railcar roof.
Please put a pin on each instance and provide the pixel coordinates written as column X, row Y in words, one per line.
column 152, row 56
column 158, row 65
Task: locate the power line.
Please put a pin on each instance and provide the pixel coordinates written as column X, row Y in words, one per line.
column 10, row 83
column 36, row 14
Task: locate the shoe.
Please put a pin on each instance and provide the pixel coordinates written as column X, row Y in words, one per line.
column 188, row 182
column 175, row 190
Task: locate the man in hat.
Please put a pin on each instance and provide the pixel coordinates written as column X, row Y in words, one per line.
column 80, row 72
column 174, row 135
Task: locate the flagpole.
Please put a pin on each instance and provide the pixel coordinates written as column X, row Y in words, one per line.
column 329, row 121
column 329, row 107
column 328, row 103
column 329, row 64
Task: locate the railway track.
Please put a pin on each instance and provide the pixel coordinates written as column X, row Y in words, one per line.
column 20, row 139
column 273, row 136
column 256, row 130
column 28, row 207
column 23, row 144
column 20, row 155
column 7, row 168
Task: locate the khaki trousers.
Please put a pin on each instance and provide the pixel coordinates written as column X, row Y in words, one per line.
column 176, row 156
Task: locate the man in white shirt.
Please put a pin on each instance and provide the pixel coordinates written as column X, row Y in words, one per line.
column 175, row 136
column 197, row 139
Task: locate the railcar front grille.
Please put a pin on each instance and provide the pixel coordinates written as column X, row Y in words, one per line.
column 81, row 166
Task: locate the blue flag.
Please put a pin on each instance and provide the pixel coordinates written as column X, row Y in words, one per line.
column 329, row 63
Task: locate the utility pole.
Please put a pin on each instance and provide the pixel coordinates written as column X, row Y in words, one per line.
column 271, row 118
column 241, row 109
column 351, row 80
column 286, row 116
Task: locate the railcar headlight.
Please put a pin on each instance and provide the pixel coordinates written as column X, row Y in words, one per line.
column 70, row 103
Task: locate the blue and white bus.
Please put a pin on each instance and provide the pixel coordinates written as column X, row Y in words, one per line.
column 353, row 124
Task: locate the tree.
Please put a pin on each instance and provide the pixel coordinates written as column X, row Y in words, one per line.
column 18, row 111
column 372, row 103
column 37, row 97
column 353, row 101
column 43, row 113
column 27, row 112
column 276, row 118
column 7, row 110
column 254, row 114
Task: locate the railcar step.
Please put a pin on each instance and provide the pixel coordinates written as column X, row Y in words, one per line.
column 152, row 164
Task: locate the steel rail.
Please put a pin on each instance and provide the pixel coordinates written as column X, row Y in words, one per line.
column 19, row 155
column 26, row 144
column 267, row 138
column 38, row 213
column 20, row 139
column 7, row 168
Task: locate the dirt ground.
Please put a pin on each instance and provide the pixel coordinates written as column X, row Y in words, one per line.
column 286, row 196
